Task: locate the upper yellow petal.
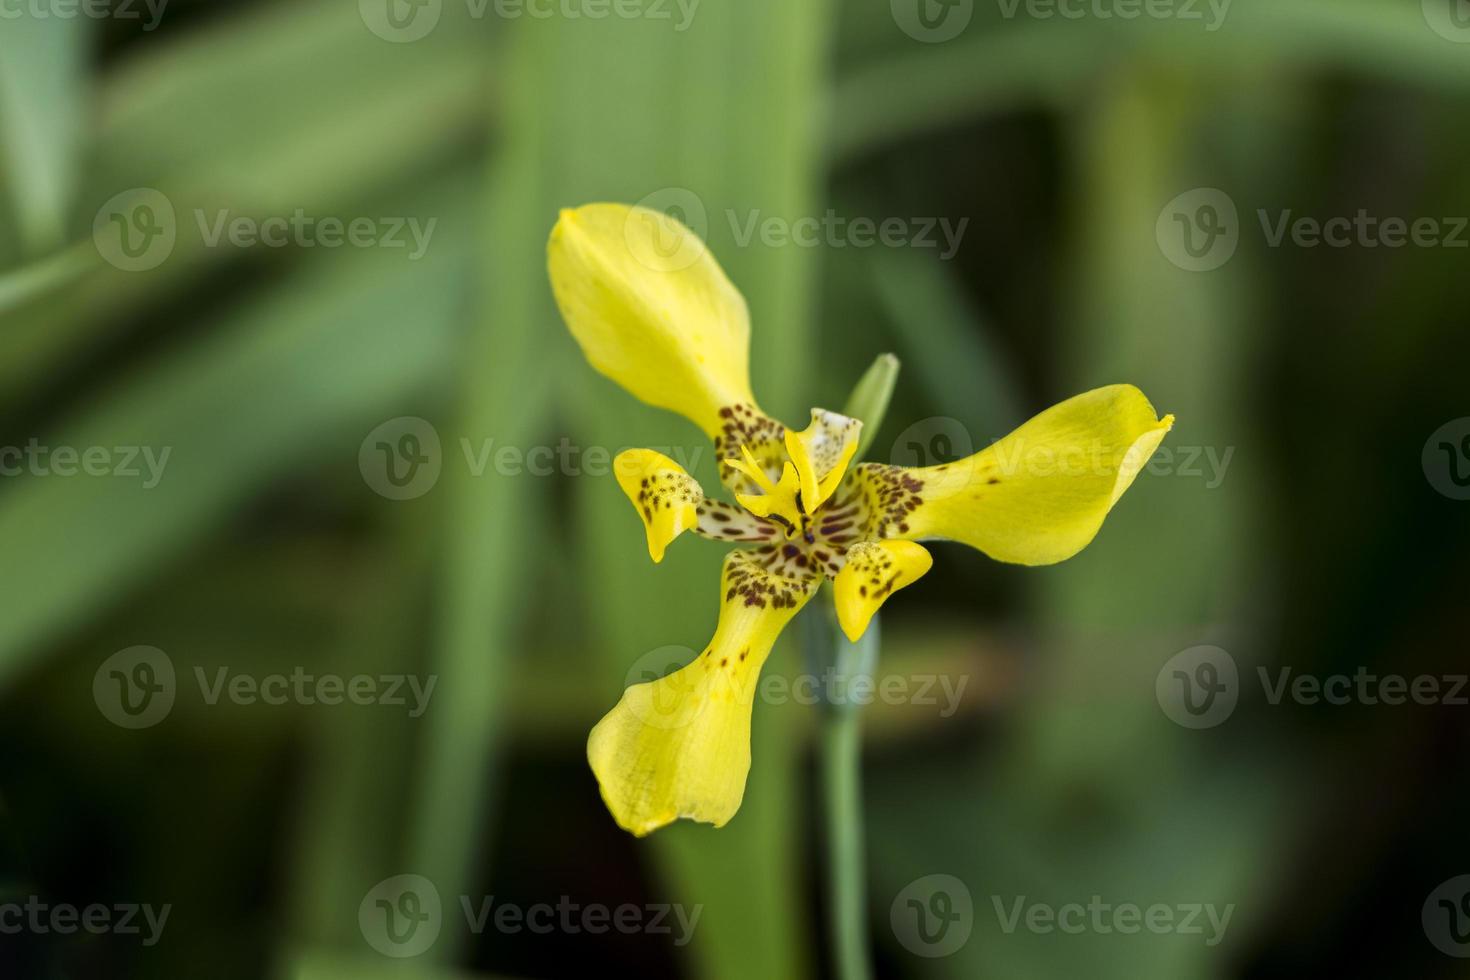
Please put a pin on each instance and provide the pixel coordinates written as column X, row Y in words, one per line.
column 821, row 453
column 1037, row 496
column 652, row 309
column 680, row 746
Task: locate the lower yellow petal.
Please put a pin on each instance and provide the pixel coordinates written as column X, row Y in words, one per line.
column 679, row 747
column 874, row 571
column 1037, row 496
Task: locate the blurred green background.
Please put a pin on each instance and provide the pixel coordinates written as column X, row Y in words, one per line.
column 1317, row 376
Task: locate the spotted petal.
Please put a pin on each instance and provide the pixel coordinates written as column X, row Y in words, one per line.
column 873, row 572
column 670, row 502
column 679, row 747
column 652, row 309
column 1037, row 496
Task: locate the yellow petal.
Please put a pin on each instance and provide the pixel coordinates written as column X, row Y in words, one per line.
column 664, row 494
column 821, row 453
column 1037, row 496
column 874, row 571
column 672, row 331
column 778, row 502
column 680, row 746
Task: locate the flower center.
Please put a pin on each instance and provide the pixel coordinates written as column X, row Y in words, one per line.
column 815, row 461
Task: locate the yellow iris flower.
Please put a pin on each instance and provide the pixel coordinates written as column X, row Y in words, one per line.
column 653, row 310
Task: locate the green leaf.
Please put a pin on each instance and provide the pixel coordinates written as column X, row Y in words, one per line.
column 270, row 388
column 870, row 397
column 42, row 96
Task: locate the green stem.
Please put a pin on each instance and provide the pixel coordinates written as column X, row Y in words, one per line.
column 841, row 783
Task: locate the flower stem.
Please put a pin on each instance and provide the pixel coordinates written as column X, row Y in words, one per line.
column 841, row 784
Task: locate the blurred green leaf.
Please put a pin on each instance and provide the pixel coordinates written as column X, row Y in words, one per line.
column 42, row 93
column 295, row 373
column 993, row 70
column 947, row 342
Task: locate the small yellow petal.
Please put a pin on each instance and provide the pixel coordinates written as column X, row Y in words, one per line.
column 674, row 333
column 680, row 746
column 821, row 453
column 874, row 571
column 665, row 495
column 1037, row 496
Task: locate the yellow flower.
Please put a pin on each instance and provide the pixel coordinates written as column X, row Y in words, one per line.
column 652, row 310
